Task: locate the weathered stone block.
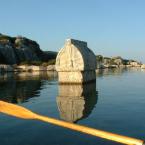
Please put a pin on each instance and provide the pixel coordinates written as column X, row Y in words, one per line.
column 77, row 77
column 75, row 63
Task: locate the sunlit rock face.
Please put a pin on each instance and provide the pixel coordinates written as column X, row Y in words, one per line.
column 76, row 102
column 75, row 62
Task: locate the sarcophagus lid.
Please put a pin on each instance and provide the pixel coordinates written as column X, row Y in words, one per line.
column 75, row 56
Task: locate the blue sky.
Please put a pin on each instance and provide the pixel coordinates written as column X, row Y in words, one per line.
column 111, row 27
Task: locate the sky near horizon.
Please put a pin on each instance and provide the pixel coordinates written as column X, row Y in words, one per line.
column 111, row 27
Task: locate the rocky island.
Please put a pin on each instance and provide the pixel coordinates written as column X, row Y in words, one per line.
column 23, row 54
column 19, row 52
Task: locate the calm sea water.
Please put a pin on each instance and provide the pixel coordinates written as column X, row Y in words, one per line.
column 116, row 103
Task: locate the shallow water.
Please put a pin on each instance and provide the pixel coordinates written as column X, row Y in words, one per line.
column 116, row 103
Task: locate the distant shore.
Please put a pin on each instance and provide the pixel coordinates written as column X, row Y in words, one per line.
column 25, row 68
column 33, row 68
column 20, row 54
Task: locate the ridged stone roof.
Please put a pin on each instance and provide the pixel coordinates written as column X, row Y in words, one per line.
column 75, row 56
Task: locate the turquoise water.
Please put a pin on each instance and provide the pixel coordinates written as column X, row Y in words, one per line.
column 116, row 103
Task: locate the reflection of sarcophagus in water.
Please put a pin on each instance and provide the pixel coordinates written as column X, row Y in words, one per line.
column 76, row 102
column 75, row 63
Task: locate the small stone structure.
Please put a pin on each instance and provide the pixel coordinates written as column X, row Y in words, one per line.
column 76, row 63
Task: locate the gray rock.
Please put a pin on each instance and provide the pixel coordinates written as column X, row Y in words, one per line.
column 27, row 50
column 26, row 54
column 7, row 51
column 15, row 50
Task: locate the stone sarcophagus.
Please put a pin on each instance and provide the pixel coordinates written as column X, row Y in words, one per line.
column 76, row 63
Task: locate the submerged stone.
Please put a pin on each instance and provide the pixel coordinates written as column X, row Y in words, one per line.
column 75, row 63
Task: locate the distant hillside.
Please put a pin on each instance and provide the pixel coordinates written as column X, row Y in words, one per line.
column 16, row 50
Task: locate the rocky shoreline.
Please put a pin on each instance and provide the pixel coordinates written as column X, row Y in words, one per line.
column 21, row 50
column 33, row 68
column 20, row 54
column 25, row 68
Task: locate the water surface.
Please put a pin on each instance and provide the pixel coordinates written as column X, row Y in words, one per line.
column 116, row 103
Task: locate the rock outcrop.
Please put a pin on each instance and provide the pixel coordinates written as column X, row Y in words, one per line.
column 27, row 50
column 15, row 50
column 7, row 53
